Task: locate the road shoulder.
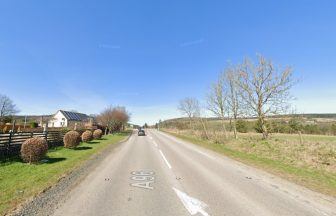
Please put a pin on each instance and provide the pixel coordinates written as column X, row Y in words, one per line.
column 50, row 198
column 274, row 179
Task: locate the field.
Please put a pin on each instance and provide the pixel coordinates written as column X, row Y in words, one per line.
column 323, row 124
column 19, row 181
column 309, row 160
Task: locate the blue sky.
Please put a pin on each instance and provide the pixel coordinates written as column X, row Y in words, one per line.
column 148, row 54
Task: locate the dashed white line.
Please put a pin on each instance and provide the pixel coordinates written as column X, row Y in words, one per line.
column 165, row 159
column 156, row 145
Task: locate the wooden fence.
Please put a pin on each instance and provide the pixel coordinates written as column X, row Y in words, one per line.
column 10, row 143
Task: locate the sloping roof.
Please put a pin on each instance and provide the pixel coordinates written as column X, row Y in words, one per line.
column 74, row 116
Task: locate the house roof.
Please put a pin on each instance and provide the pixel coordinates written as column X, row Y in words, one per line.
column 74, row 116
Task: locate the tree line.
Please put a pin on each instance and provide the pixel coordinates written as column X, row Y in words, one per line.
column 248, row 89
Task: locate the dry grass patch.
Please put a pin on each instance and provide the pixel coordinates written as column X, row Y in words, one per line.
column 315, row 151
column 311, row 163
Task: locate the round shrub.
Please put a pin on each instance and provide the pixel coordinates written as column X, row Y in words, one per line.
column 71, row 139
column 34, row 149
column 87, row 136
column 97, row 134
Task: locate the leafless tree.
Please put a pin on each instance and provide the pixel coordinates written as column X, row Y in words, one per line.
column 217, row 100
column 113, row 118
column 190, row 107
column 265, row 89
column 198, row 115
column 7, row 107
column 233, row 99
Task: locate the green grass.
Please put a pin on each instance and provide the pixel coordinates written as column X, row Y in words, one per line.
column 19, row 181
column 315, row 179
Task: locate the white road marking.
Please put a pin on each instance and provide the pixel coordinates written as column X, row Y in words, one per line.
column 156, row 145
column 193, row 205
column 145, row 185
column 144, row 179
column 165, row 159
column 189, row 147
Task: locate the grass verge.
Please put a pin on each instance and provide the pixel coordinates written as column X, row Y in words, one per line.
column 19, row 181
column 315, row 179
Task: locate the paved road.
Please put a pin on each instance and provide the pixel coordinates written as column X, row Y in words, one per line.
column 161, row 175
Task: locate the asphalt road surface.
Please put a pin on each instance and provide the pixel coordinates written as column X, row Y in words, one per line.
column 159, row 174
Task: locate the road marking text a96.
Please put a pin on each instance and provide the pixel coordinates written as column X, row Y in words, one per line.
column 144, row 179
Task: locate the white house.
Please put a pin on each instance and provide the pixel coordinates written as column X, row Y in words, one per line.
column 68, row 119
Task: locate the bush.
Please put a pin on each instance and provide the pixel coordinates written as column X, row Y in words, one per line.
column 33, row 149
column 312, row 129
column 33, row 124
column 295, row 124
column 241, row 126
column 258, row 126
column 97, row 134
column 87, row 136
column 71, row 139
column 333, row 129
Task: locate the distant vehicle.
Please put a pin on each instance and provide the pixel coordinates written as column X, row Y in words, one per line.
column 141, row 133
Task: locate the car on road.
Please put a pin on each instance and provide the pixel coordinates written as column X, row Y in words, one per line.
column 141, row 133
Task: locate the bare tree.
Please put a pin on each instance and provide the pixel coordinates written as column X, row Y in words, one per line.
column 190, row 107
column 233, row 99
column 105, row 117
column 198, row 115
column 113, row 118
column 7, row 107
column 265, row 89
column 217, row 100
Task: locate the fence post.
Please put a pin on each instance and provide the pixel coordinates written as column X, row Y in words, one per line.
column 9, row 143
column 45, row 129
column 13, row 125
column 25, row 122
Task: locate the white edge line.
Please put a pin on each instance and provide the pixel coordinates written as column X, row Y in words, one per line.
column 165, row 159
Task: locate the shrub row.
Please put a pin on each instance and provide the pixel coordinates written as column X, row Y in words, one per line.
column 34, row 149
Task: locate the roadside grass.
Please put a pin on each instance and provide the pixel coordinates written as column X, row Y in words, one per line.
column 315, row 178
column 19, row 181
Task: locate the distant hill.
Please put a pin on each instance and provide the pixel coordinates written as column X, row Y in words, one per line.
column 307, row 116
column 31, row 118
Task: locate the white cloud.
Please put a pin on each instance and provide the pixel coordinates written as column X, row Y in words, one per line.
column 108, row 46
column 190, row 43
